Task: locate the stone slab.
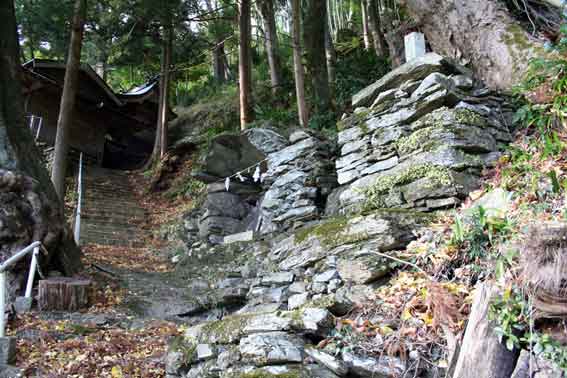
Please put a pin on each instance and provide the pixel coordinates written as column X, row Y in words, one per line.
column 246, row 236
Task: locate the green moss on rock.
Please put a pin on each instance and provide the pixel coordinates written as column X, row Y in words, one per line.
column 376, row 194
column 262, row 373
column 186, row 346
column 331, row 233
column 225, row 331
column 469, row 117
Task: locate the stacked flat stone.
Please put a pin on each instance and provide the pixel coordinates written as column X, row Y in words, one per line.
column 298, row 179
column 419, row 138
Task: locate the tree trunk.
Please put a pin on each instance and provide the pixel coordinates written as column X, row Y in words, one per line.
column 244, row 64
column 67, row 107
column 314, row 37
column 30, row 209
column 63, row 294
column 219, row 73
column 164, row 106
column 374, row 24
column 365, row 31
column 225, row 64
column 298, row 64
column 480, row 32
column 266, row 8
column 331, row 55
column 218, row 63
column 481, row 354
column 157, row 140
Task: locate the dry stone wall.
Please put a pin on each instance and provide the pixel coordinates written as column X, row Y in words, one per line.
column 421, row 143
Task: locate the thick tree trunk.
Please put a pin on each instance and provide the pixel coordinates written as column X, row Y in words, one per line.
column 480, row 32
column 244, row 64
column 365, row 31
column 63, row 294
column 67, row 107
column 375, row 27
column 218, row 63
column 314, row 37
column 219, row 73
column 164, row 106
column 298, row 64
column 30, row 209
column 266, row 8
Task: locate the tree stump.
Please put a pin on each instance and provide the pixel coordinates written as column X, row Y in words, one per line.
column 63, row 294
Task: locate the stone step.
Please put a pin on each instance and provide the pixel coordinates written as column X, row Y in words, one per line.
column 113, row 236
column 116, row 210
column 111, row 213
column 133, row 235
column 110, row 229
column 107, row 192
column 112, row 242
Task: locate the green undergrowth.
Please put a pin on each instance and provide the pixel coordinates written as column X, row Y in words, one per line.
column 533, row 169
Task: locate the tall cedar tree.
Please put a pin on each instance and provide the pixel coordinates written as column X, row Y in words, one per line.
column 67, row 107
column 244, row 65
column 298, row 64
column 266, row 8
column 314, row 37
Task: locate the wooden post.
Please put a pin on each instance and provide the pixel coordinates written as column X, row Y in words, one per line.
column 63, row 294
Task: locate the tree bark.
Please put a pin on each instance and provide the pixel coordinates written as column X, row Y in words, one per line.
column 266, row 8
column 219, row 73
column 63, row 294
column 365, row 31
column 331, row 55
column 374, row 24
column 481, row 354
column 314, row 38
column 480, row 32
column 244, row 64
column 164, row 106
column 67, row 107
column 218, row 63
column 30, row 209
column 298, row 64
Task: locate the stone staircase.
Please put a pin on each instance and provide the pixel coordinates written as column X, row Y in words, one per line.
column 111, row 214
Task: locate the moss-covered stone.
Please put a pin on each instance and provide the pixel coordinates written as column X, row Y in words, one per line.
column 375, row 194
column 469, row 117
column 331, row 233
column 187, row 347
column 225, row 331
column 262, row 373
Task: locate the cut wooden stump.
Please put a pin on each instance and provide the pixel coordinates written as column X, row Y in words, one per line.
column 64, row 294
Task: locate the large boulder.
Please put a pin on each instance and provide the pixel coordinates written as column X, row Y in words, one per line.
column 415, row 70
column 228, row 154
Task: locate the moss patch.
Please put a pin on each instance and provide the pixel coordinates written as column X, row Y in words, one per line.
column 375, row 194
column 296, row 373
column 187, row 347
column 469, row 117
column 331, row 233
column 225, row 331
